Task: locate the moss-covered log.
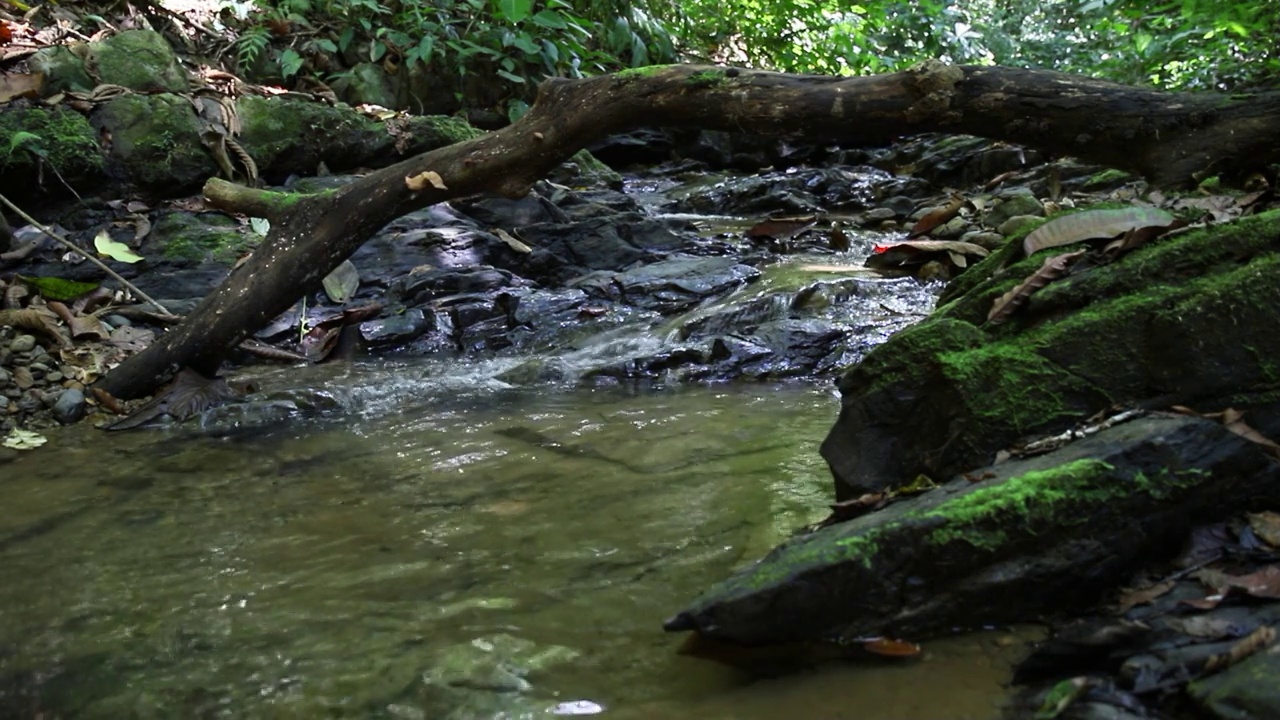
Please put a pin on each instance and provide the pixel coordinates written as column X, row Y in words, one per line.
column 1170, row 138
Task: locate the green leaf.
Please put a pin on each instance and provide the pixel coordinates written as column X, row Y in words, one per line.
column 515, row 10
column 327, row 45
column 52, row 288
column 550, row 19
column 260, row 226
column 290, row 62
column 341, row 284
column 24, row 440
column 510, row 76
column 516, row 109
column 526, row 43
column 20, row 138
column 117, row 251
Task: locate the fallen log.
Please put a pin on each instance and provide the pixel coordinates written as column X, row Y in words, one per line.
column 1170, row 138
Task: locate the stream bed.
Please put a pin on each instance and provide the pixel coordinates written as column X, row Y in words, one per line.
column 473, row 553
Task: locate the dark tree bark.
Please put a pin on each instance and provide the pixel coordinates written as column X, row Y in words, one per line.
column 1172, row 139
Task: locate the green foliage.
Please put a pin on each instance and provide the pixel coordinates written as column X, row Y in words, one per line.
column 521, row 41
column 1180, row 44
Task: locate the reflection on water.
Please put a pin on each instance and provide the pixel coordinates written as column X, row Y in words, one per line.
column 491, row 554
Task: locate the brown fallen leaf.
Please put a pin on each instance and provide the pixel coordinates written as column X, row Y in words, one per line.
column 1134, row 597
column 1248, row 645
column 1234, row 421
column 107, row 401
column 889, row 647
column 783, row 228
column 939, row 216
column 20, row 85
column 420, row 182
column 1052, row 269
column 1266, row 525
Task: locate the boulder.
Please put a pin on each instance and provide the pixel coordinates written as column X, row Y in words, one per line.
column 1184, row 320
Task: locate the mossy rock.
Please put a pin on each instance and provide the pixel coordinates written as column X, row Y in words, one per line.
column 139, row 60
column 1035, row 535
column 198, row 237
column 41, row 139
column 63, row 70
column 155, row 143
column 1187, row 319
column 291, row 135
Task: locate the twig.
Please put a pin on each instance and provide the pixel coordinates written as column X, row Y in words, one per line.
column 72, row 247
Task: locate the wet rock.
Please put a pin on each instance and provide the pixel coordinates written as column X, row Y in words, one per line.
column 70, row 406
column 901, row 205
column 1002, row 549
column 420, row 287
column 878, row 215
column 1011, row 203
column 669, row 286
column 1018, row 225
column 562, row 252
column 398, row 329
column 981, row 238
column 796, row 191
column 22, row 343
column 512, row 214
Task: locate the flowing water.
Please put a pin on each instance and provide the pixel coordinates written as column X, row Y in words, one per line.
column 472, row 553
column 442, row 544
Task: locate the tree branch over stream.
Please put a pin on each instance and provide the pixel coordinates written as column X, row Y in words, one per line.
column 1172, row 139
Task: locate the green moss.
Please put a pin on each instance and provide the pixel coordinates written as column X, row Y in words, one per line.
column 207, row 236
column 646, row 71
column 447, row 127
column 911, row 355
column 707, row 78
column 1008, row 384
column 63, row 138
column 1106, row 178
column 983, row 516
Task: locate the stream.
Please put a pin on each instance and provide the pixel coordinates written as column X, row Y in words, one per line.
column 449, row 539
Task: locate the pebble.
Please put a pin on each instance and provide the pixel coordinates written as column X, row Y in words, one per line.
column 23, row 343
column 70, row 406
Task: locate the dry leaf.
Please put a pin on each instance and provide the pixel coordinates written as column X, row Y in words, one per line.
column 1266, row 525
column 1052, row 269
column 939, row 216
column 16, row 86
column 1093, row 225
column 1250, row 644
column 889, row 647
column 511, row 241
column 1143, row 596
column 1234, row 421
column 420, row 182
column 781, row 228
